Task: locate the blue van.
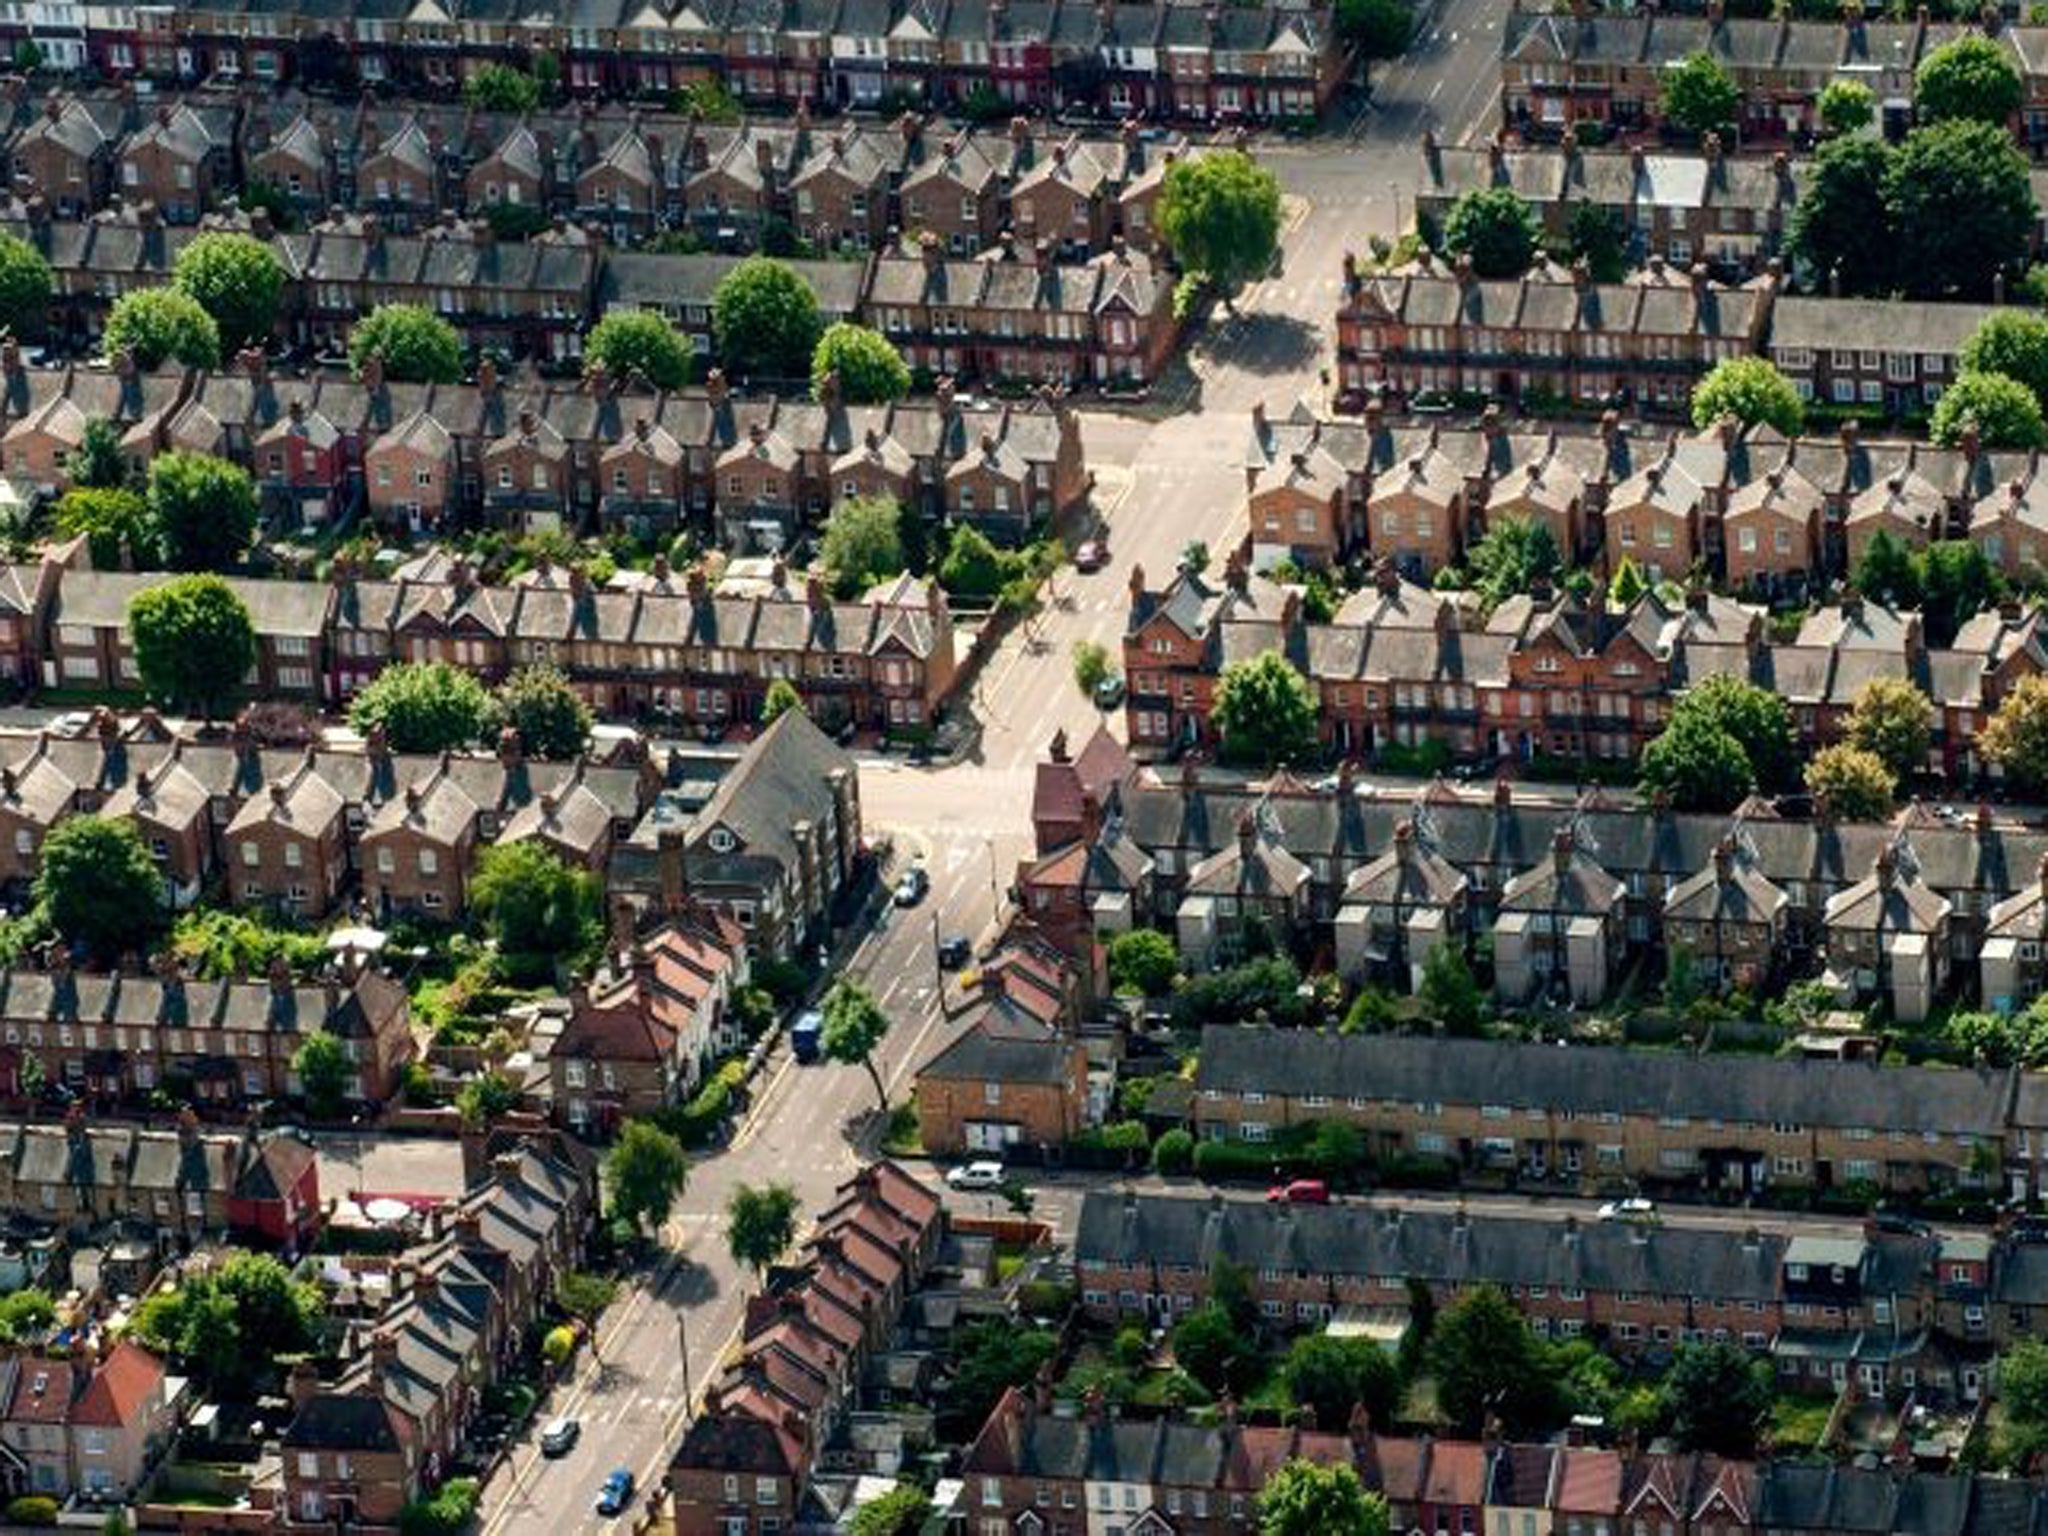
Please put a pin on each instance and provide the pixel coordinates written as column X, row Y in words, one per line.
column 806, row 1036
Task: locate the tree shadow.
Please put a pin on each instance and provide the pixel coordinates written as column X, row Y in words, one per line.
column 1261, row 342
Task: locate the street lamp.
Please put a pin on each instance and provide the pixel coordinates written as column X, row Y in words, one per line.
column 683, row 1333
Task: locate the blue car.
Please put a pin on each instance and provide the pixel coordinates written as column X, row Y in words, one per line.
column 616, row 1493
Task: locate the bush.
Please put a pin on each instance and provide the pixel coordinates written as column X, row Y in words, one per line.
column 1174, row 1152
column 448, row 1513
column 32, row 1509
column 559, row 1344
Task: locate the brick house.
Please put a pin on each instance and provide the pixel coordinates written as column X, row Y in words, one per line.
column 1008, row 1081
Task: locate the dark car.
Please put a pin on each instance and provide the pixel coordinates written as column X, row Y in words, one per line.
column 1093, row 555
column 912, row 885
column 955, row 952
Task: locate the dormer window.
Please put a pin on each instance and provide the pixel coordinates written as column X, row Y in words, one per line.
column 722, row 841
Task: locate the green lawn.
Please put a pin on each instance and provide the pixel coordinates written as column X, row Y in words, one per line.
column 1799, row 1420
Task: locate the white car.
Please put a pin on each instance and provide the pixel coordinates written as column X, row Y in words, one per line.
column 1633, row 1209
column 976, row 1176
column 558, row 1436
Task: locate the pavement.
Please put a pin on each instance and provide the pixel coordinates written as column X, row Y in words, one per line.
column 1166, row 475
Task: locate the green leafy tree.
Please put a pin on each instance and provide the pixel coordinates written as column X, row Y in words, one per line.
column 449, row 1511
column 411, row 343
column 1888, row 573
column 1846, row 106
column 1513, row 556
column 229, row 1326
column 1855, row 783
column 203, row 508
column 194, row 643
column 26, row 285
column 2013, row 342
column 1450, row 992
column 765, row 320
column 2023, row 1394
column 322, row 1065
column 1317, row 1498
column 1717, row 1398
column 1969, row 78
column 645, row 1173
column 989, row 1358
column 1265, row 710
column 2016, row 735
column 1497, row 228
column 550, row 716
column 1378, row 29
column 537, row 906
column 1487, row 1361
column 116, row 524
column 760, row 1224
column 869, row 368
column 1699, row 96
column 159, row 325
column 1219, row 213
column 1841, row 222
column 1144, row 961
column 1091, row 666
column 1753, row 391
column 425, row 706
column 98, row 463
column 902, row 1511
column 779, row 700
column 854, row 1027
column 235, row 278
column 1336, row 1376
column 973, row 567
column 100, row 887
column 486, row 1097
column 1698, row 764
column 1960, row 208
column 2004, row 412
column 501, row 88
column 585, row 1296
column 1209, row 1346
column 1894, row 721
column 1599, row 239
column 863, row 543
column 1627, row 587
column 1956, row 580
column 639, row 344
column 1759, row 720
column 26, row 1315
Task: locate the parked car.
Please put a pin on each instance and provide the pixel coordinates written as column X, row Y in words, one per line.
column 955, row 952
column 806, row 1036
column 1300, row 1192
column 1109, row 693
column 981, row 1175
column 558, row 1435
column 616, row 1493
column 912, row 885
column 1635, row 1208
column 1092, row 555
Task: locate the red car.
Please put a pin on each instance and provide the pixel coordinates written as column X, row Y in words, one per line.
column 1091, row 556
column 1300, row 1192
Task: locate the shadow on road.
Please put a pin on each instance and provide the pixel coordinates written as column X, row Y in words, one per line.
column 1261, row 342
column 689, row 1284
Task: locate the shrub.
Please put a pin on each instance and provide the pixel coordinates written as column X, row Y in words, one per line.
column 32, row 1509
column 559, row 1344
column 1173, row 1152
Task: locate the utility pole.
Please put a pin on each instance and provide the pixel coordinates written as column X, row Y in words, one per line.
column 995, row 892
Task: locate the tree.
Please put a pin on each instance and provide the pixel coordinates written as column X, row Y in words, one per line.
column 98, row 464
column 1265, row 711
column 779, row 700
column 645, row 1173
column 1698, row 764
column 863, row 543
column 26, row 1315
column 501, row 88
column 425, row 706
column 973, row 567
column 1716, row 1398
column 100, row 887
column 869, row 368
column 2013, row 342
column 236, row 279
column 854, row 1027
column 1627, row 587
column 1219, row 213
column 25, row 288
column 116, row 524
column 1956, row 580
column 2004, row 412
column 194, row 643
column 1888, row 573
column 2023, row 1393
column 229, row 1326
column 550, row 716
column 1316, row 1498
column 1959, row 208
column 639, row 344
column 1497, row 228
column 1334, row 1376
column 485, row 1097
column 1143, row 961
column 1971, row 78
column 1753, row 391
column 203, row 509
column 902, row 1511
column 765, row 320
column 1759, row 720
column 1840, row 222
column 1699, row 97
column 537, row 906
column 1855, row 783
column 1091, row 666
column 585, row 1296
column 1449, row 991
column 1893, row 721
column 760, row 1224
column 989, row 1358
column 1209, row 1346
column 1487, row 1362
column 158, row 325
column 1513, row 556
column 1378, row 29
column 1846, row 106
column 1599, row 239
column 450, row 1511
column 2016, row 735
column 411, row 343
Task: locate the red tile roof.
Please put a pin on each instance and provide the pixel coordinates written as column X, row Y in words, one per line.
column 120, row 1387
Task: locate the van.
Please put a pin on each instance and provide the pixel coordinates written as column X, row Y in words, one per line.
column 806, row 1036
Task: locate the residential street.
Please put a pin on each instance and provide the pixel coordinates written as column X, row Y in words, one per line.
column 1167, row 475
